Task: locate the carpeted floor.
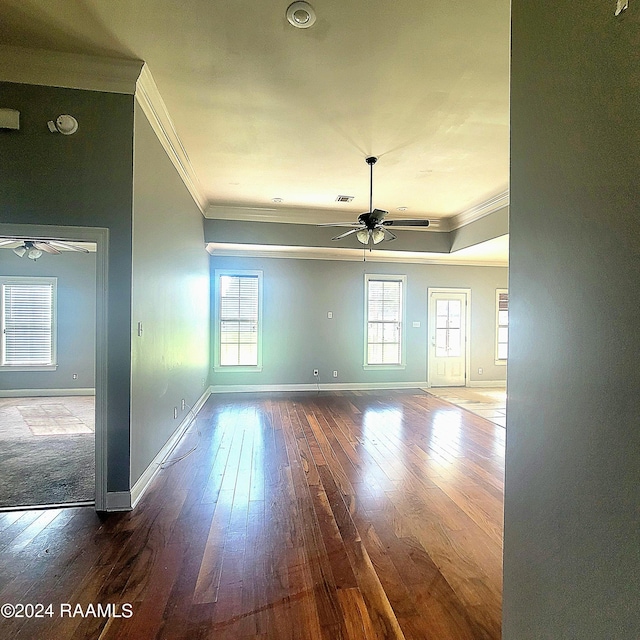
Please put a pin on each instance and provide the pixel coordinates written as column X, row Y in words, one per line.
column 46, row 450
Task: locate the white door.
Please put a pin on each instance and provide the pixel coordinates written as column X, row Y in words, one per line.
column 447, row 338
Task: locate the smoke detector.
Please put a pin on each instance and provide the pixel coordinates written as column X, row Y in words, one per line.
column 301, row 15
column 64, row 124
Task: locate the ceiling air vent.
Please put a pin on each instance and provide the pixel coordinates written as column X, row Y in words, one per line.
column 344, row 198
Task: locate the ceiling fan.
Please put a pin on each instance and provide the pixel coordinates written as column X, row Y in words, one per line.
column 371, row 227
column 33, row 249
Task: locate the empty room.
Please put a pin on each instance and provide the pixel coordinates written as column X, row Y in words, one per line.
column 319, row 320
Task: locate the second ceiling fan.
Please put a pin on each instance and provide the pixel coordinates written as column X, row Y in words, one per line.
column 371, row 227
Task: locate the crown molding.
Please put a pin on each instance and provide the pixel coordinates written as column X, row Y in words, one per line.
column 298, row 215
column 68, row 70
column 154, row 108
column 478, row 211
column 295, row 215
column 229, row 250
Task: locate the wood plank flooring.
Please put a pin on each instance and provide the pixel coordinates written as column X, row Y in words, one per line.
column 296, row 517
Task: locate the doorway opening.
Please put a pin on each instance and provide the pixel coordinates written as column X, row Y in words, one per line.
column 52, row 366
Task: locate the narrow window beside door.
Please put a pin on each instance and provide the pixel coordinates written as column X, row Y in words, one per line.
column 239, row 302
column 384, row 318
column 28, row 308
column 502, row 325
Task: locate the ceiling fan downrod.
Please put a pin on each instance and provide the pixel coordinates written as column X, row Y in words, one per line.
column 371, row 160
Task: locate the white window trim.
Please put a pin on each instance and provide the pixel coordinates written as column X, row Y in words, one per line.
column 501, row 362
column 4, row 280
column 242, row 368
column 385, row 367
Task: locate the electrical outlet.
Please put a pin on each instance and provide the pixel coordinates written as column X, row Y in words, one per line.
column 75, row 376
column 329, row 314
column 175, row 412
column 315, row 373
column 183, row 404
column 335, row 374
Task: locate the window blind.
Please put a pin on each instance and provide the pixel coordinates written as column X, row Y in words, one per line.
column 384, row 321
column 239, row 320
column 502, row 341
column 28, row 323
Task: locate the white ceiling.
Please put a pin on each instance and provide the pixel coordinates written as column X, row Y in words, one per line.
column 267, row 111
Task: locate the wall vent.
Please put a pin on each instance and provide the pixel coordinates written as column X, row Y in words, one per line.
column 344, row 199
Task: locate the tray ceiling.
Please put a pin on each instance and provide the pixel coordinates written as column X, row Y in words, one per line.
column 268, row 111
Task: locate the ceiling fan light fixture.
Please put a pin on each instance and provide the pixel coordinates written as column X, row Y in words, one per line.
column 377, row 235
column 34, row 254
column 20, row 251
column 363, row 236
column 301, row 15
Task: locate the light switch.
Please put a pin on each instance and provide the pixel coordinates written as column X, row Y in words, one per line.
column 416, row 324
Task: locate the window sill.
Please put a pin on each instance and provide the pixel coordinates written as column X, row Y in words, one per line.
column 237, row 368
column 383, row 367
column 41, row 367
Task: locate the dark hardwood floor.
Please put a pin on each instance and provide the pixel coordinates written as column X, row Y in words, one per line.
column 353, row 515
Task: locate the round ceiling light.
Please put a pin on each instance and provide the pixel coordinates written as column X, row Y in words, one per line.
column 301, row 15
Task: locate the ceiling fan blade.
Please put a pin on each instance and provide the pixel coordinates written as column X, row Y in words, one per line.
column 68, row 246
column 46, row 247
column 339, row 224
column 406, row 223
column 392, row 236
column 4, row 243
column 347, row 233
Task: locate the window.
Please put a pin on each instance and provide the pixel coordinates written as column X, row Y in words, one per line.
column 28, row 308
column 448, row 328
column 238, row 318
column 502, row 325
column 384, row 309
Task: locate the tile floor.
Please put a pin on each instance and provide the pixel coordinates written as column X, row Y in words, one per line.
column 26, row 418
column 488, row 402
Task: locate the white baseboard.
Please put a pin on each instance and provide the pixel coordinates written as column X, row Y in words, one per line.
column 337, row 386
column 45, row 393
column 143, row 482
column 487, row 383
column 118, row 501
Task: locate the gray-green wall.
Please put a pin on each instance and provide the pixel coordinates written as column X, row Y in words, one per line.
column 298, row 337
column 85, row 179
column 76, row 309
column 572, row 503
column 170, row 297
